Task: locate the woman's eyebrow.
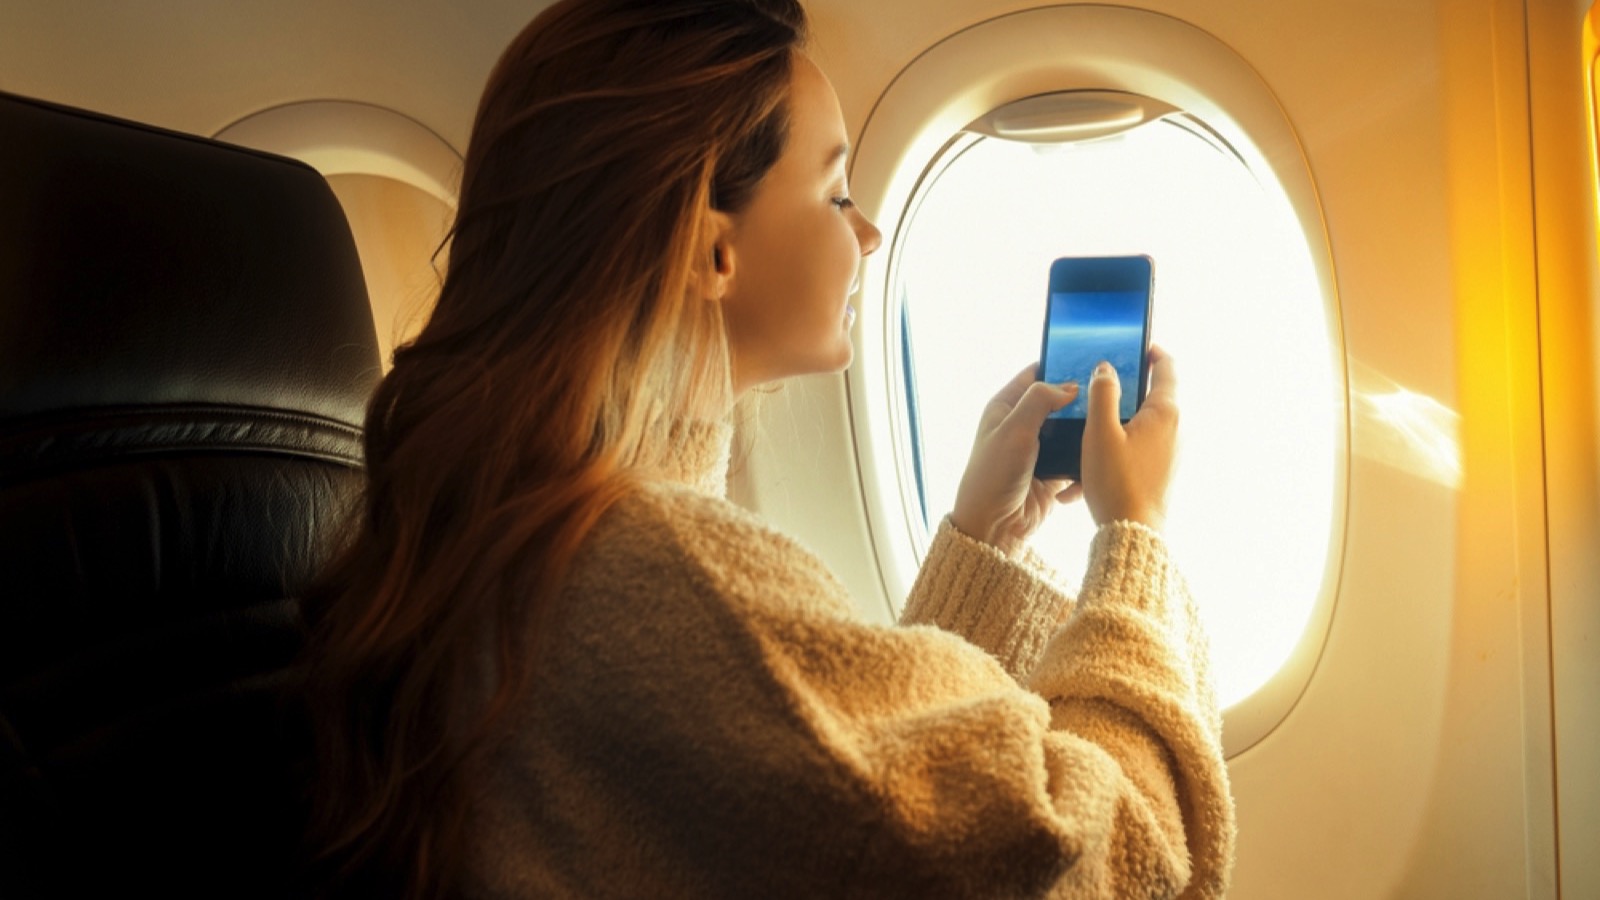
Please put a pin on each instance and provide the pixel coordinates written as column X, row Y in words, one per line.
column 837, row 153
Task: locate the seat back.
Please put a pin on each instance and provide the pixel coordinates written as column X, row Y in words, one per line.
column 186, row 353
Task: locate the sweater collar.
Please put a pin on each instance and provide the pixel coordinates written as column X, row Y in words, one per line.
column 699, row 454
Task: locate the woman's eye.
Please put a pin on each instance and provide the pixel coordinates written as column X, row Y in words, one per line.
column 843, row 202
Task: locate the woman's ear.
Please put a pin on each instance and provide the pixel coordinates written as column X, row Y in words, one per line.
column 724, row 259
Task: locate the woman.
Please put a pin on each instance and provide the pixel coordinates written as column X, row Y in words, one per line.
column 553, row 661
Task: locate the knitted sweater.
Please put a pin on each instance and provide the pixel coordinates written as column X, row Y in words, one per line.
column 708, row 717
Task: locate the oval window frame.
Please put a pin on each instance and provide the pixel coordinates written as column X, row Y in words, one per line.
column 1040, row 51
column 349, row 138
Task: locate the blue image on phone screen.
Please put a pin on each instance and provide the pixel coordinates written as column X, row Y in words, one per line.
column 1086, row 327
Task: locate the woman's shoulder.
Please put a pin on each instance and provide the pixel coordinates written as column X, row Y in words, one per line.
column 668, row 536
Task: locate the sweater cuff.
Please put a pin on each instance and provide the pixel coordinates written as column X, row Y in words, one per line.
column 1007, row 607
column 1129, row 562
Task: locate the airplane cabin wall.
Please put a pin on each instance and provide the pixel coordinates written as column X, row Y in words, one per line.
column 1419, row 762
column 1423, row 758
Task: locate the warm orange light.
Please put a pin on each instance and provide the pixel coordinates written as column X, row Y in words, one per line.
column 1591, row 56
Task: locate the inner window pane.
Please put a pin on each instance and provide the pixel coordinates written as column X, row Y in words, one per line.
column 1236, row 303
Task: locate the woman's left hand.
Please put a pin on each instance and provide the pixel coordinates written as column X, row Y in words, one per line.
column 999, row 501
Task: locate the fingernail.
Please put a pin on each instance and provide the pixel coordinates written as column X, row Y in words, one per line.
column 1069, row 385
column 1104, row 370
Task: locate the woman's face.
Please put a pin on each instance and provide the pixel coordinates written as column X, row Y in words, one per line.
column 795, row 251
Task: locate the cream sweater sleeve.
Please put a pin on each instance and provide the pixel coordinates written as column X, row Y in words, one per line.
column 1009, row 608
column 715, row 721
column 1129, row 672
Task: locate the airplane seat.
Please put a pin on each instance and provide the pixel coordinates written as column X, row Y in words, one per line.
column 186, row 354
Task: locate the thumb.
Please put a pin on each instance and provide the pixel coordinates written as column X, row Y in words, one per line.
column 1105, row 398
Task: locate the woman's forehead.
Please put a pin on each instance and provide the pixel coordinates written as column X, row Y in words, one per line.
column 817, row 129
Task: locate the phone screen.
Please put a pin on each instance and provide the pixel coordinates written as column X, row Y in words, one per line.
column 1098, row 308
column 1085, row 327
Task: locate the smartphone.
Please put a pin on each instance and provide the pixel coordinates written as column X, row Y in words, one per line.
column 1098, row 308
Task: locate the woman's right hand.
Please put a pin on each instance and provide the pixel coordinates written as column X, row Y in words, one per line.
column 1126, row 469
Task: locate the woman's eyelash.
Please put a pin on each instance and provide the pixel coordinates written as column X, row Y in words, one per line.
column 843, row 202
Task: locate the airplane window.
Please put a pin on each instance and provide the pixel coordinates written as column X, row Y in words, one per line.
column 395, row 179
column 397, row 228
column 1237, row 303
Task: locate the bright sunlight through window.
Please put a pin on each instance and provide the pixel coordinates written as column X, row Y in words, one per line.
column 1237, row 304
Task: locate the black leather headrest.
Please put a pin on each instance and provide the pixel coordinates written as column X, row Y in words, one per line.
column 186, row 355
column 141, row 267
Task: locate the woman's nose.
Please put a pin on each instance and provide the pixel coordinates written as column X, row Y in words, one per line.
column 868, row 236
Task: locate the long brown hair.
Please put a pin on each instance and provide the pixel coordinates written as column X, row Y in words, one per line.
column 567, row 339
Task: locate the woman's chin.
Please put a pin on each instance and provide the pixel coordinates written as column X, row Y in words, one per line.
column 849, row 358
column 844, row 348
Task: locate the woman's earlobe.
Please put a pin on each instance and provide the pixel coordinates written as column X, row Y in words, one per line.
column 720, row 233
column 721, row 271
